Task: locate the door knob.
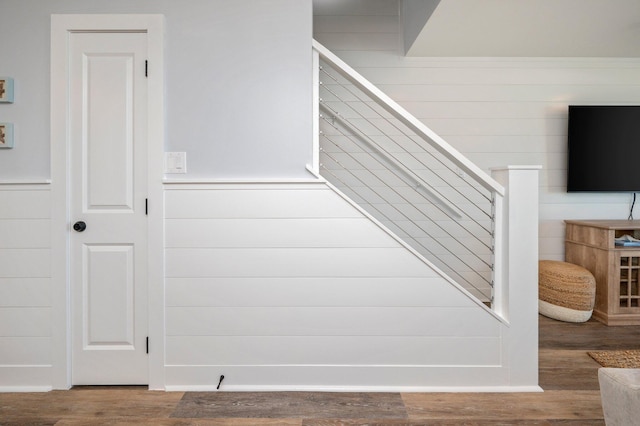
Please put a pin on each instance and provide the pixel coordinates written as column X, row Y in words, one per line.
column 79, row 226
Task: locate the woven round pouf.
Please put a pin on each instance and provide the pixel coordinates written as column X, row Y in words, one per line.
column 566, row 292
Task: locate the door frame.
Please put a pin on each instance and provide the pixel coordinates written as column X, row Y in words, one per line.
column 61, row 27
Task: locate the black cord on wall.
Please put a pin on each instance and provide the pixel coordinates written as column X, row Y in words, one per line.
column 632, row 204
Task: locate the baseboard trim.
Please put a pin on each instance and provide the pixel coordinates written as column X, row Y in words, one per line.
column 343, row 378
column 401, row 389
column 25, row 389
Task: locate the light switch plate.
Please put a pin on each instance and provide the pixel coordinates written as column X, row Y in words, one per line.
column 175, row 162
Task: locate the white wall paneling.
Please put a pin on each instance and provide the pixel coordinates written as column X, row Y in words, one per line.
column 272, row 232
column 25, row 263
column 329, row 321
column 20, row 202
column 311, row 292
column 293, row 262
column 266, row 278
column 333, row 350
column 24, row 353
column 25, row 378
column 25, row 233
column 25, row 287
column 25, row 291
column 25, row 321
column 232, row 203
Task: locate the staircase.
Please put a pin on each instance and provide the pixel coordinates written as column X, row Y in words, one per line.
column 408, row 178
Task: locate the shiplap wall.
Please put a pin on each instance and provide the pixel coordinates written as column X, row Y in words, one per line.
column 496, row 111
column 25, row 288
column 288, row 286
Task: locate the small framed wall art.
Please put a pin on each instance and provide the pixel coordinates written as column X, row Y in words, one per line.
column 6, row 135
column 6, row 90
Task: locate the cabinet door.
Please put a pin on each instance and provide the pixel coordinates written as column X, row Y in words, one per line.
column 624, row 289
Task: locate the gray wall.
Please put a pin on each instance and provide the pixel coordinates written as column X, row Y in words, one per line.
column 238, row 83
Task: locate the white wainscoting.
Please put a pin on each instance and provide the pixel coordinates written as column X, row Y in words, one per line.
column 25, row 287
column 496, row 111
column 288, row 286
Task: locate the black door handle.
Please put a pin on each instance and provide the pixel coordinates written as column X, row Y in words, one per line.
column 79, row 226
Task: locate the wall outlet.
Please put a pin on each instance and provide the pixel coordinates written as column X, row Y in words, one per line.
column 175, row 162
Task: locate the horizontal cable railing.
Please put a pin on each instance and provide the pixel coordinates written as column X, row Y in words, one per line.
column 406, row 177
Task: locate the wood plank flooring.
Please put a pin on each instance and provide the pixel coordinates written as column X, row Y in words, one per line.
column 567, row 374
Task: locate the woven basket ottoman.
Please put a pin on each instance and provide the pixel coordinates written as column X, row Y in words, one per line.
column 566, row 292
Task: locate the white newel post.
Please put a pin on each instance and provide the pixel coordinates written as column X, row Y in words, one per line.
column 517, row 296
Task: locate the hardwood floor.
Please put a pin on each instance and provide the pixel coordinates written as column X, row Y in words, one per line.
column 567, row 374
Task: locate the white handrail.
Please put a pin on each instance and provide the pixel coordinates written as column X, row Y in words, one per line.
column 409, row 120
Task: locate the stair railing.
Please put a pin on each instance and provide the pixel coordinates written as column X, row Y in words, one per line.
column 408, row 178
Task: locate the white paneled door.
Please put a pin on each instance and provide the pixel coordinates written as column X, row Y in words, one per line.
column 108, row 222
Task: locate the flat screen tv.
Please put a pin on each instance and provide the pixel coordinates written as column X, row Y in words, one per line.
column 604, row 148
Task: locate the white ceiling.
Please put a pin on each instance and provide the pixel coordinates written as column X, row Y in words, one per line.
column 529, row 28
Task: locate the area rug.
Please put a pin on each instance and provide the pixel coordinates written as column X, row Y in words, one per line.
column 617, row 359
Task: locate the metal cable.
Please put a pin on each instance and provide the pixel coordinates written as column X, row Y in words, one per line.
column 410, row 137
column 432, row 188
column 399, row 176
column 441, row 264
column 408, row 218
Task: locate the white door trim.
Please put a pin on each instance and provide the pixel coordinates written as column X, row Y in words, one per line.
column 61, row 27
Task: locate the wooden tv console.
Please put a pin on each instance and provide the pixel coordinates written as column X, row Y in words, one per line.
column 590, row 244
